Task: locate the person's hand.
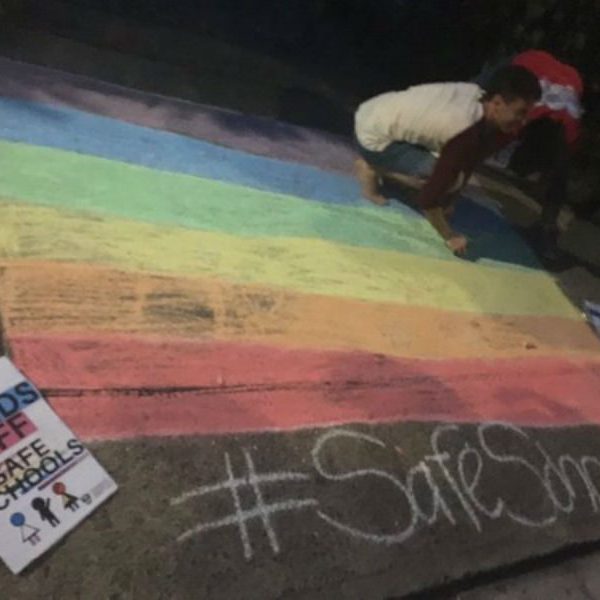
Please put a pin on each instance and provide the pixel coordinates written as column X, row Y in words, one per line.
column 457, row 244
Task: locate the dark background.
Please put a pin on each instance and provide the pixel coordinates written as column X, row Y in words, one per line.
column 359, row 47
column 378, row 44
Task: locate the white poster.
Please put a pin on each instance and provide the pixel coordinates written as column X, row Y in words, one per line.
column 49, row 482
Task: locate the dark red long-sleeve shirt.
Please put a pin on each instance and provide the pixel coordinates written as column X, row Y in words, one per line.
column 459, row 158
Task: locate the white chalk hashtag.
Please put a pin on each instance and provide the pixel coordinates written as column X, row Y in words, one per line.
column 262, row 510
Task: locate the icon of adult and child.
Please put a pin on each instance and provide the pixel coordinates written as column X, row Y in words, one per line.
column 30, row 533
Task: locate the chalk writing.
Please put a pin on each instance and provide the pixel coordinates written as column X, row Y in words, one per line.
column 240, row 517
column 459, row 481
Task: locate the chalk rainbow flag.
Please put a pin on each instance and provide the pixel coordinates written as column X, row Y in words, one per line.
column 172, row 269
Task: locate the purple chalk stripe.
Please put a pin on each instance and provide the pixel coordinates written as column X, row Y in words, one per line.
column 252, row 134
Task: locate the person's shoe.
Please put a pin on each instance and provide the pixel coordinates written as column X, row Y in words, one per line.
column 369, row 182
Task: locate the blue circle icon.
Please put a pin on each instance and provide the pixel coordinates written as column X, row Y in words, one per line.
column 17, row 519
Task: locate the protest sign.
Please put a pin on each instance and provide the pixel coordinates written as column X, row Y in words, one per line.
column 49, row 481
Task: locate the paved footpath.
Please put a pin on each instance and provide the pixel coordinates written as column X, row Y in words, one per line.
column 300, row 395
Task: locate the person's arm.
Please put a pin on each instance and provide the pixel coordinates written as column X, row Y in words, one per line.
column 437, row 217
column 456, row 242
column 555, row 176
column 434, row 193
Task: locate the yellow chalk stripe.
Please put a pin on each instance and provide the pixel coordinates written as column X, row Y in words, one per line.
column 304, row 265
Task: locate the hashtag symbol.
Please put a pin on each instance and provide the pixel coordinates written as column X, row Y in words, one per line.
column 240, row 517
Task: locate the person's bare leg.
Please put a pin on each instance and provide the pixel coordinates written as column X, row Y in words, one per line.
column 369, row 182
